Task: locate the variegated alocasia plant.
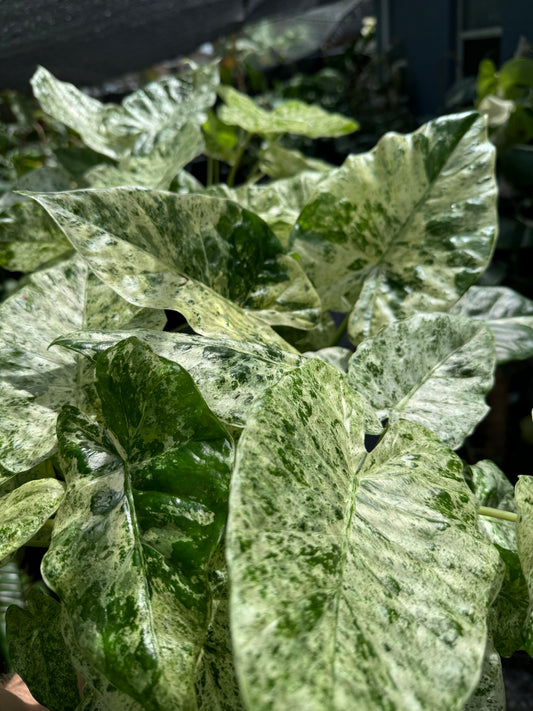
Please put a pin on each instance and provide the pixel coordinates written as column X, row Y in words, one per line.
column 240, row 514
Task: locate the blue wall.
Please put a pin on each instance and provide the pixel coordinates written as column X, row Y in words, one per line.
column 424, row 31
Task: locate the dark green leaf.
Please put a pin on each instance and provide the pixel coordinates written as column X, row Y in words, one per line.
column 39, row 654
column 144, row 509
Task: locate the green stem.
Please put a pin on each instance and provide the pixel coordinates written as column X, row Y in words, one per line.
column 497, row 513
column 339, row 333
column 238, row 158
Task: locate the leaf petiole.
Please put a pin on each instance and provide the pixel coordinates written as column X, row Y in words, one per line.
column 497, row 513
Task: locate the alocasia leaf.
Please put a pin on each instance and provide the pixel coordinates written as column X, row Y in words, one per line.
column 407, row 227
column 35, row 381
column 87, row 116
column 289, row 117
column 218, row 264
column 25, row 510
column 489, row 694
column 39, row 654
column 229, row 374
column 157, row 169
column 509, row 610
column 345, row 592
column 158, row 111
column 150, row 115
column 431, row 368
column 143, row 513
column 509, row 316
column 524, row 537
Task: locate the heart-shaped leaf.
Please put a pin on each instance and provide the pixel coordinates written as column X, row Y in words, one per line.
column 143, row 513
column 346, row 593
column 407, row 227
column 431, row 368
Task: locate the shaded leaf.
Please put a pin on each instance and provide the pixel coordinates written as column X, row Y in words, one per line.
column 278, row 162
column 192, row 253
column 509, row 610
column 407, row 227
column 221, row 140
column 229, row 374
column 434, row 369
column 144, row 509
column 217, row 688
column 343, row 594
column 39, row 654
column 524, row 537
column 278, row 203
column 25, row 510
column 289, row 117
column 335, row 355
column 489, row 694
column 509, row 316
column 36, row 382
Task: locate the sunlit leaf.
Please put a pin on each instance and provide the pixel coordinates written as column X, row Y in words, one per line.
column 219, row 265
column 278, row 162
column 289, row 117
column 434, row 369
column 343, row 594
column 25, row 510
column 143, row 513
column 407, row 227
column 35, row 381
column 508, row 315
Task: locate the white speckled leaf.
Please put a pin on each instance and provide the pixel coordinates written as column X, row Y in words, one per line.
column 157, row 169
column 278, row 203
column 156, row 112
column 434, row 369
column 289, row 117
column 146, row 117
column 25, row 510
column 80, row 112
column 524, row 537
column 35, row 382
column 218, row 264
column 509, row 610
column 358, row 580
column 39, row 654
column 144, row 510
column 508, row 315
column 229, row 374
column 407, row 227
column 490, row 691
